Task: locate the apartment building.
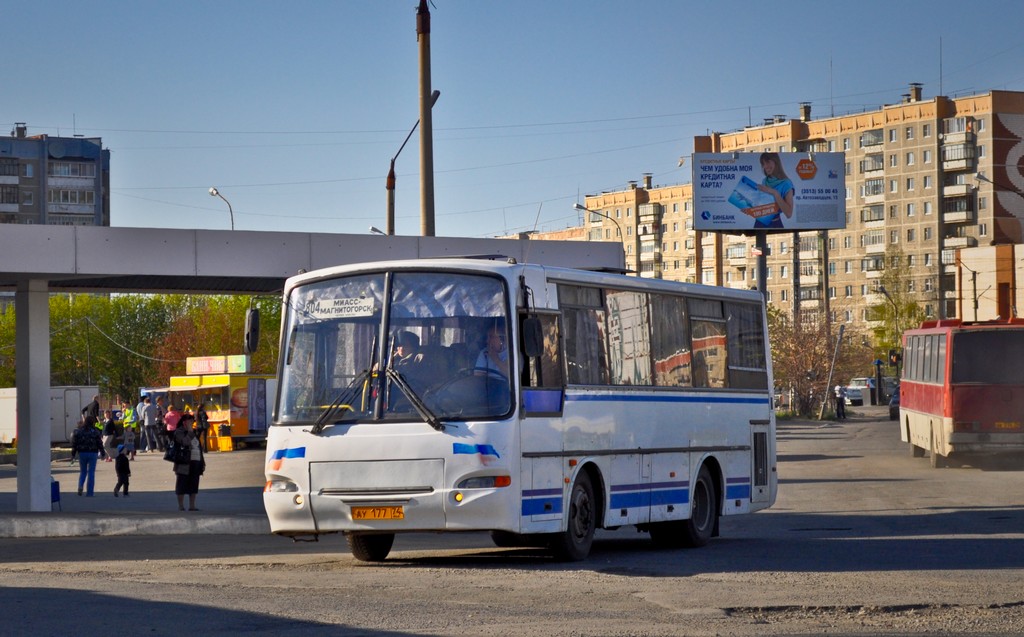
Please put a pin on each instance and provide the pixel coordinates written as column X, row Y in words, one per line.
column 54, row 180
column 925, row 179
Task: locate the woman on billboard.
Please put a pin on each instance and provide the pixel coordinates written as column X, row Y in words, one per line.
column 777, row 185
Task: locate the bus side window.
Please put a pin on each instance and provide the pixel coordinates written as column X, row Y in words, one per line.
column 545, row 370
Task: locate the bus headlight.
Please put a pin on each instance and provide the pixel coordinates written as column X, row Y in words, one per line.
column 485, row 482
column 280, row 485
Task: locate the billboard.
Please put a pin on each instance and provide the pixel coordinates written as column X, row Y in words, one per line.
column 768, row 191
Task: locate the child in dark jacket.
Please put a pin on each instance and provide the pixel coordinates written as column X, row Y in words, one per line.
column 123, row 470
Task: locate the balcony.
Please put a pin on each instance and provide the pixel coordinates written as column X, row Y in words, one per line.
column 956, row 190
column 875, row 248
column 959, row 242
column 958, row 216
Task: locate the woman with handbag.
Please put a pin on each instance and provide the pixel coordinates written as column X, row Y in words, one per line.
column 189, row 463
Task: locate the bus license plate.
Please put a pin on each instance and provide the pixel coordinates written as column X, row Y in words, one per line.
column 1007, row 425
column 378, row 513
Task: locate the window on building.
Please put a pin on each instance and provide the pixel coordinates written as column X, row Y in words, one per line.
column 910, row 183
column 784, row 271
column 892, row 134
column 846, row 143
column 927, row 233
column 927, row 182
column 911, row 209
column 927, row 208
column 848, row 291
column 982, row 203
column 981, row 150
column 894, row 236
column 894, row 186
column 982, row 229
column 27, row 198
column 783, row 247
column 893, row 161
column 910, row 234
column 926, row 130
column 848, row 266
column 927, row 260
column 911, row 260
column 784, row 294
column 910, row 159
column 832, row 267
column 909, row 132
column 927, row 156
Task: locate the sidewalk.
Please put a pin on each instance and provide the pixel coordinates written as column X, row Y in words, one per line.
column 230, row 500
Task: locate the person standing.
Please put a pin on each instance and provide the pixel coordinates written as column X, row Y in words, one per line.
column 92, row 409
column 129, row 442
column 109, row 434
column 140, row 420
column 123, row 470
column 840, row 402
column 187, row 474
column 88, row 443
column 162, row 438
column 149, row 426
column 203, row 426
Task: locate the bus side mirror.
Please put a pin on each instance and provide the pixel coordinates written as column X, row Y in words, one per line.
column 532, row 337
column 252, row 330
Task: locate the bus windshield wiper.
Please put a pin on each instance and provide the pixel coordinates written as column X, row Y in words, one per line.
column 342, row 402
column 414, row 399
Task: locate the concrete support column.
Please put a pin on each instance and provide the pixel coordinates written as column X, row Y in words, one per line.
column 32, row 378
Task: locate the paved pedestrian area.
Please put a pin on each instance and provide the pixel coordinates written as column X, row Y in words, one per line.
column 230, row 500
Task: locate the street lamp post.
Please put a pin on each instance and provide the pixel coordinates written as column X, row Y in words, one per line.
column 390, row 184
column 216, row 193
column 581, row 208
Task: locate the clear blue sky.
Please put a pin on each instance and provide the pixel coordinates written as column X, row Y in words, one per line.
column 294, row 109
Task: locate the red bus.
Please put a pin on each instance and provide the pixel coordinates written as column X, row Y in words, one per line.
column 962, row 392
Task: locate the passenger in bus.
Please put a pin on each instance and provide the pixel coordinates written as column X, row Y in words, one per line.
column 494, row 357
column 408, row 360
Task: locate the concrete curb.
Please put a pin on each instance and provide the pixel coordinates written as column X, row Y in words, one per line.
column 31, row 525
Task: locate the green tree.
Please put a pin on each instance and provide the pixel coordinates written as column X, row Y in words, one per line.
column 802, row 355
column 899, row 310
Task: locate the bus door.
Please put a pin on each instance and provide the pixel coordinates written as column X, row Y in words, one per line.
column 760, row 474
column 64, row 417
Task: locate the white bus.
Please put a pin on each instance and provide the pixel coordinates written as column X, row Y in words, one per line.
column 632, row 402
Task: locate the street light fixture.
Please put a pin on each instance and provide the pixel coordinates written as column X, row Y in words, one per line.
column 216, row 193
column 581, row 208
column 390, row 184
column 376, row 230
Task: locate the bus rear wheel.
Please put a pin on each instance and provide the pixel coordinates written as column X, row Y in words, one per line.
column 573, row 544
column 370, row 547
column 698, row 529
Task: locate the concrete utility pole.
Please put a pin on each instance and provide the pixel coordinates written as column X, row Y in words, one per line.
column 426, row 125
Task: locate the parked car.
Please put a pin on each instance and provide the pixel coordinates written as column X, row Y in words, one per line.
column 894, row 404
column 862, row 388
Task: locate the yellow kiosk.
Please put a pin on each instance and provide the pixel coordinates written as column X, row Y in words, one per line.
column 236, row 400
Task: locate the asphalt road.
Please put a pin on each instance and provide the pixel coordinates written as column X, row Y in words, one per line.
column 864, row 539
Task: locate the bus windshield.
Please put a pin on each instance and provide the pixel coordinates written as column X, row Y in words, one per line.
column 991, row 357
column 391, row 346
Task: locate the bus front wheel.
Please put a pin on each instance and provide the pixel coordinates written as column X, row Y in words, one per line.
column 370, row 547
column 698, row 529
column 573, row 544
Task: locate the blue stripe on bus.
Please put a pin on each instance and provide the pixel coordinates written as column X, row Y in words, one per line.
column 631, row 496
column 666, row 398
column 294, row 452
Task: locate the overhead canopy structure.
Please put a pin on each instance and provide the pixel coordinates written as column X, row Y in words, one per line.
column 36, row 260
